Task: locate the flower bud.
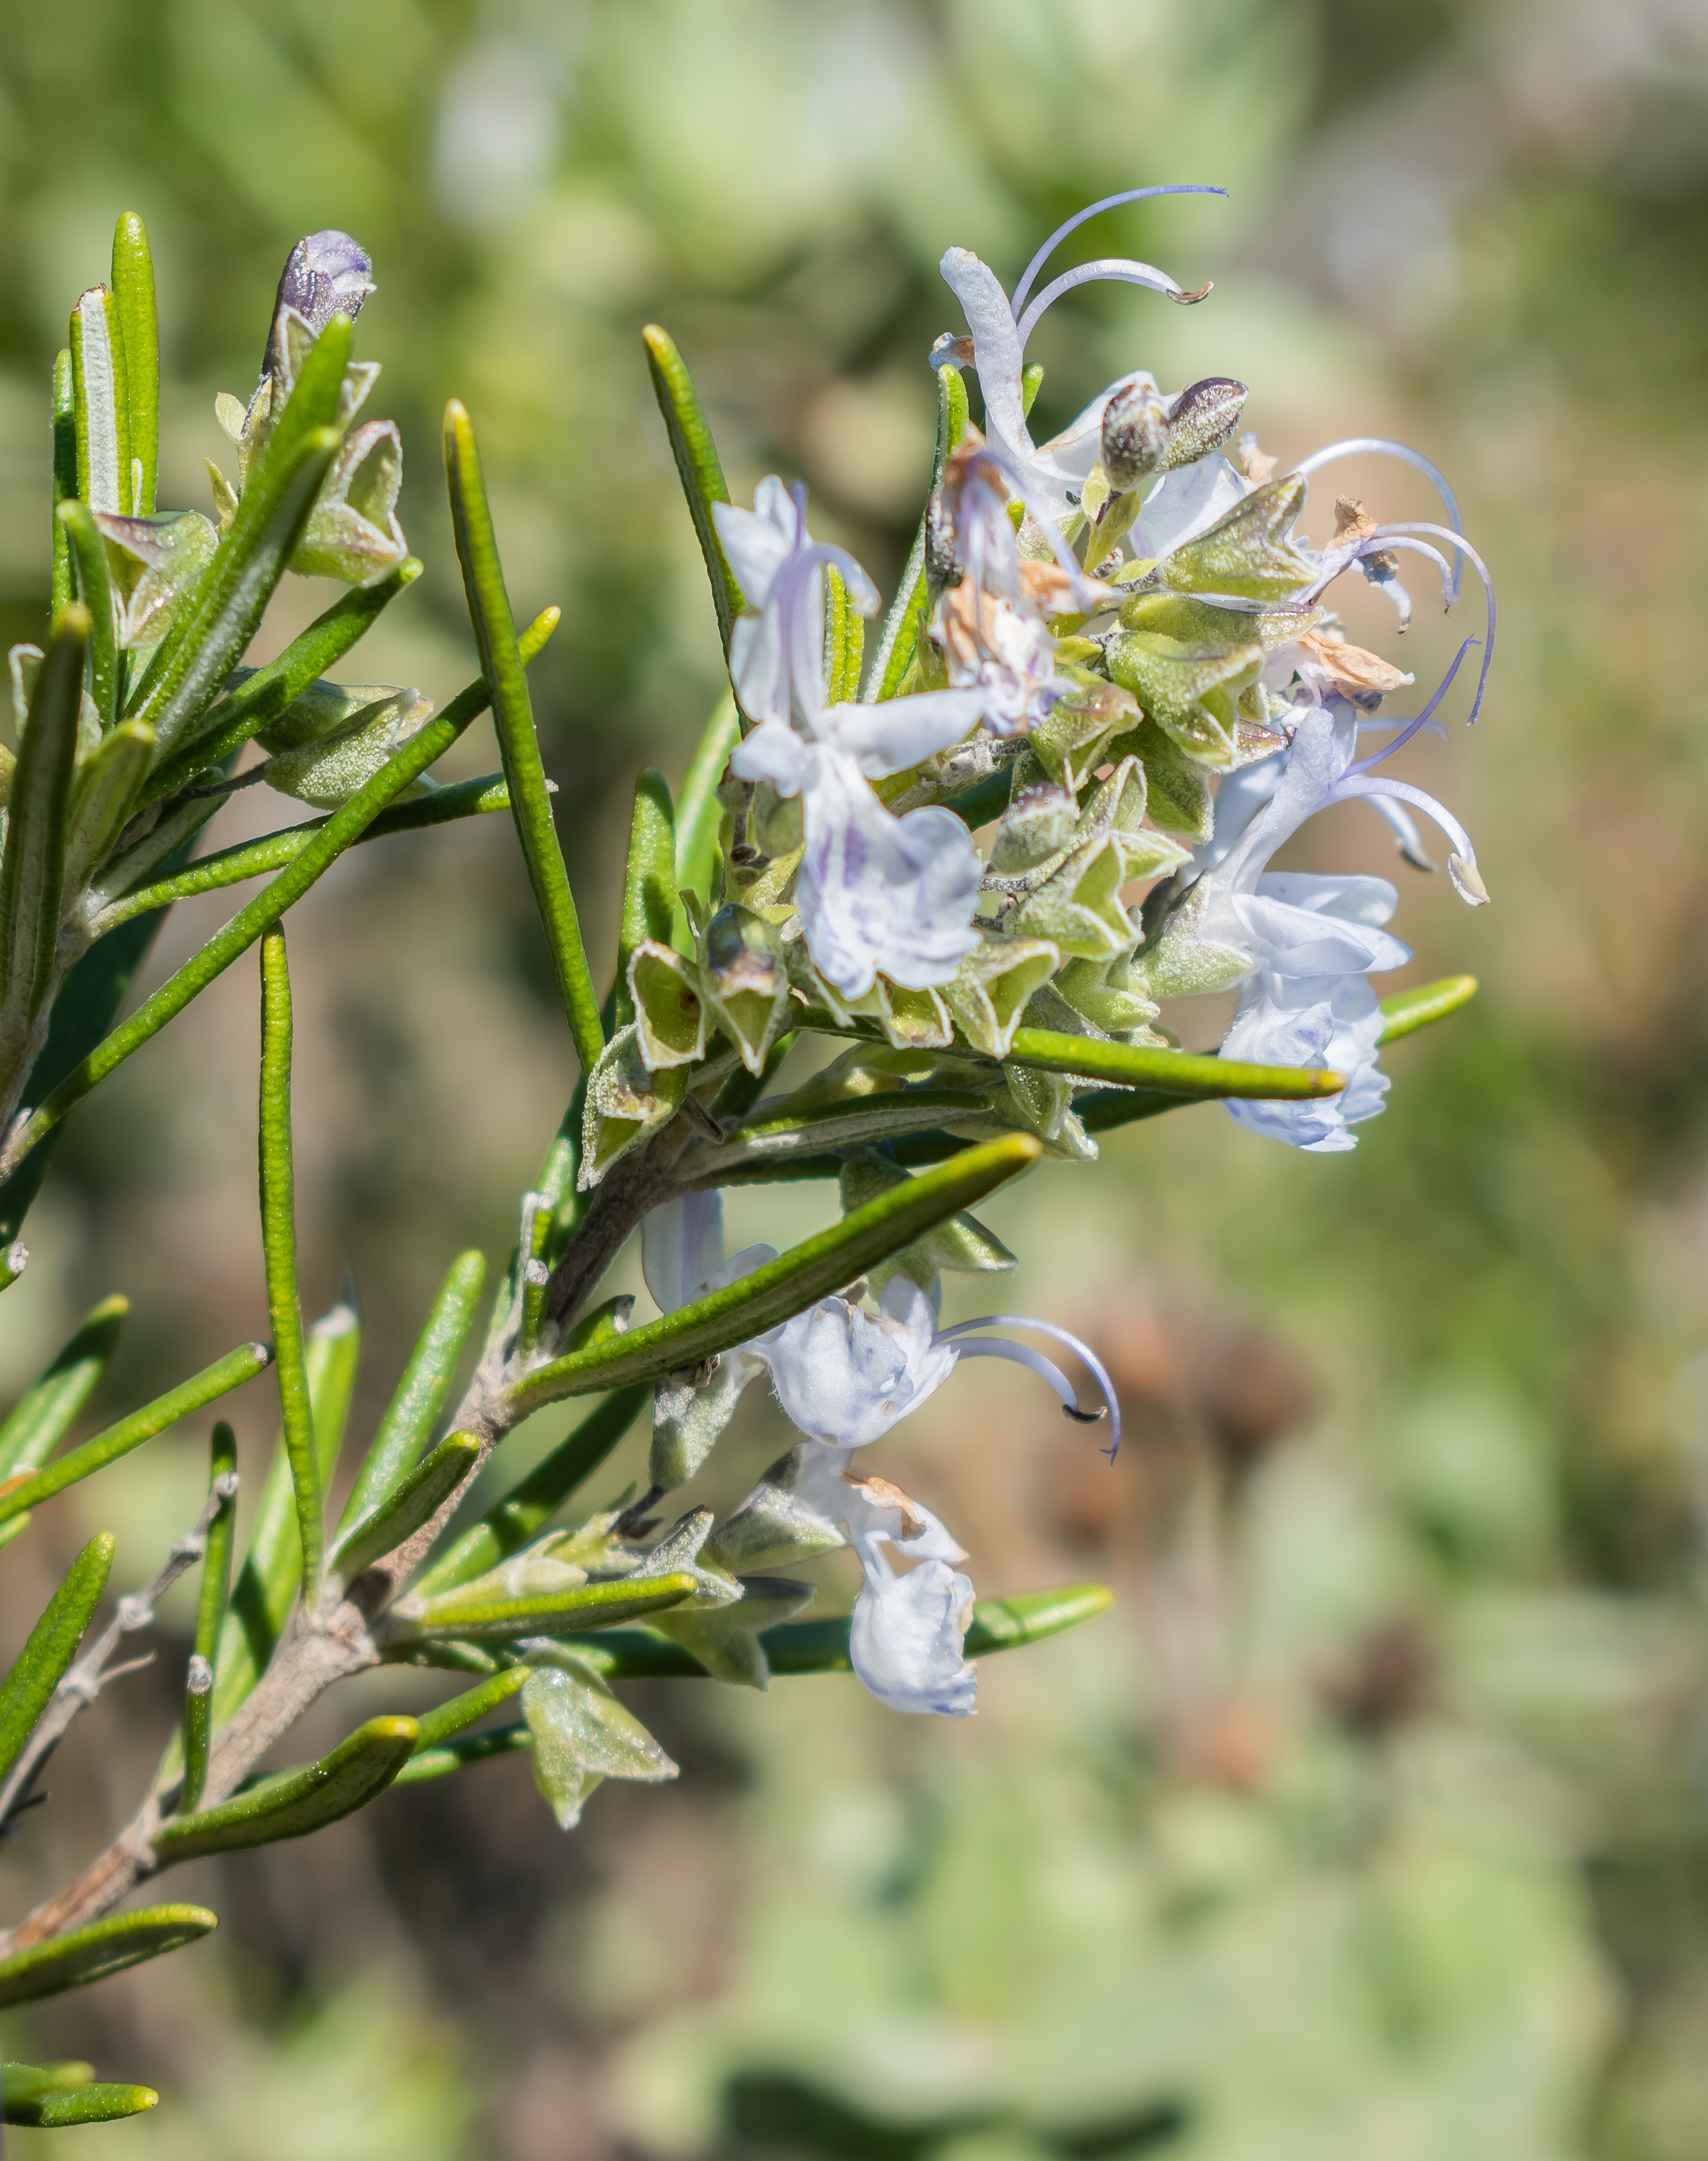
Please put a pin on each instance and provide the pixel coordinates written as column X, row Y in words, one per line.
column 1038, row 824
column 1135, row 435
column 326, row 275
column 1204, row 415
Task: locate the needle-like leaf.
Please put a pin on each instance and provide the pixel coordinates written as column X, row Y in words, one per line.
column 101, row 403
column 83, row 1955
column 296, row 1802
column 65, row 425
column 41, row 1418
column 415, row 1500
column 786, row 1286
column 133, row 303
column 699, row 813
column 343, row 827
column 565, row 1612
column 1406, row 1011
column 696, row 458
column 209, row 1615
column 649, row 880
column 414, row 1410
column 32, row 871
column 41, row 1665
column 263, row 695
column 95, row 590
column 279, row 1246
column 898, row 643
column 202, row 1388
column 60, row 2108
column 509, row 1526
column 501, row 665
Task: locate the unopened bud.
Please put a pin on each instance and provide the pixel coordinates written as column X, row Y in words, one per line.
column 1038, row 824
column 201, row 1676
column 326, row 275
column 1204, row 415
column 1135, row 435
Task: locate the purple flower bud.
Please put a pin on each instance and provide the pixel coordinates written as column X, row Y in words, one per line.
column 326, row 275
column 1204, row 415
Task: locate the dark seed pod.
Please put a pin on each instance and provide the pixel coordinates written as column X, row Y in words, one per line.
column 1038, row 824
column 942, row 568
column 1135, row 435
column 1205, row 414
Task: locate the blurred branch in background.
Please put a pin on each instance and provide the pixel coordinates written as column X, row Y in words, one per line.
column 1400, row 1825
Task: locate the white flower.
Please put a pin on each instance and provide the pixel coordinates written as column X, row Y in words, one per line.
column 682, row 1255
column 876, row 894
column 1309, row 942
column 905, row 1634
column 845, row 1376
column 1311, row 1002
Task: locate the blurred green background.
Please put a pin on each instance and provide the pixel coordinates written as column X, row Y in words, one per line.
column 1373, row 1821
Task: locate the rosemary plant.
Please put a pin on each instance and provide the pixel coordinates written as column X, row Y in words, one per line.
column 1110, row 648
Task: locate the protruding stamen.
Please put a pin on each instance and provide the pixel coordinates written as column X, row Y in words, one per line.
column 1116, row 269
column 1079, row 218
column 1021, row 1354
column 1362, row 446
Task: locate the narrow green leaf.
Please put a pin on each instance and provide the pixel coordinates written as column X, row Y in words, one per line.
column 53, row 1643
column 549, row 1613
column 437, row 1725
column 416, row 1499
column 699, row 813
column 62, row 2110
column 103, row 795
column 266, row 1583
column 343, row 828
column 898, row 644
column 851, row 1122
column 26, row 2081
column 133, row 303
column 64, row 422
column 795, row 1646
column 500, row 664
column 649, row 880
column 84, row 1955
column 209, row 1615
column 356, row 1772
column 788, row 1285
column 743, row 1089
column 210, row 633
column 44, row 1414
column 415, row 1409
column 248, row 859
column 202, row 1388
column 32, row 873
column 506, row 1528
column 467, row 1748
column 101, row 403
column 697, row 463
column 279, row 1246
column 1406, row 1011
column 1174, row 1072
column 95, row 590
column 260, row 699
column 845, row 640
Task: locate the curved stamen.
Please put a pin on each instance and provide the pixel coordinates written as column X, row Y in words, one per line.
column 1401, row 533
column 1363, row 445
column 1021, row 1354
column 1462, row 864
column 1408, row 729
column 1409, row 840
column 1108, row 202
column 1115, row 267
